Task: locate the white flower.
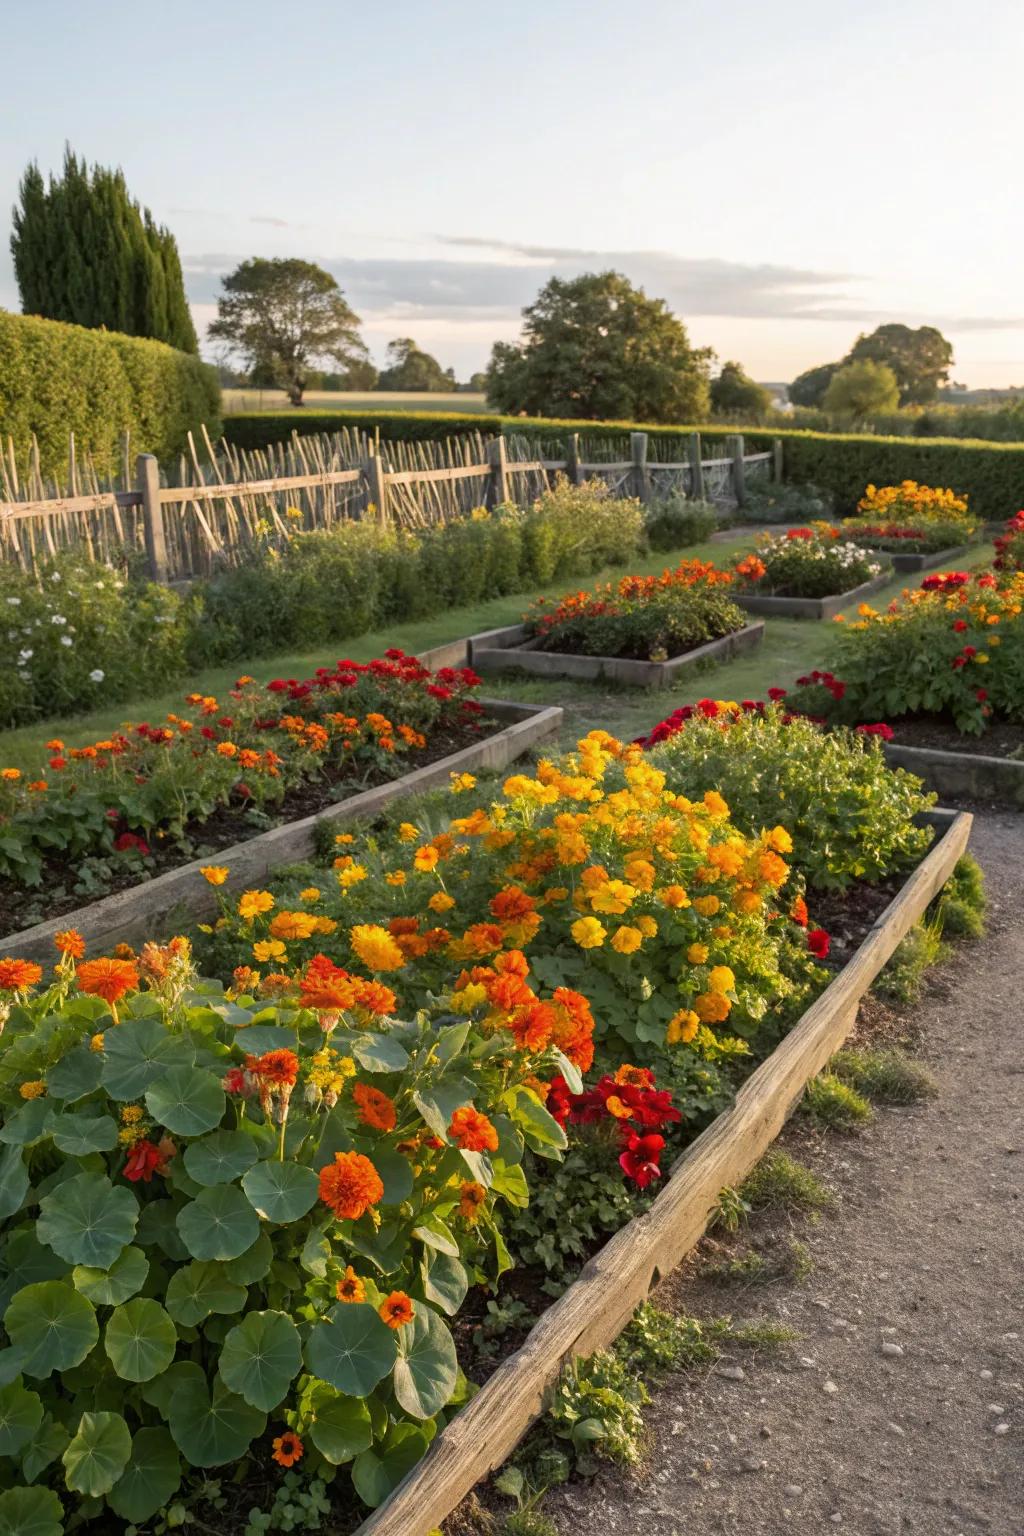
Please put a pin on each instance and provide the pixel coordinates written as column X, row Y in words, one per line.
column 25, row 655
column 55, row 576
column 58, row 618
column 66, row 640
column 15, row 602
column 97, row 676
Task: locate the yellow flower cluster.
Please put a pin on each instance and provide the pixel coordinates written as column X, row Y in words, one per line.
column 910, row 502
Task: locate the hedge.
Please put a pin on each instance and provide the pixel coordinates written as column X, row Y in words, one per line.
column 56, row 379
column 990, row 474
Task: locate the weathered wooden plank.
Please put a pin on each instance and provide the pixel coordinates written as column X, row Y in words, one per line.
column 595, row 1308
column 184, row 493
column 427, row 476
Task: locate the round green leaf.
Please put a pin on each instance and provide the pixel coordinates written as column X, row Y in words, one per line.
column 75, row 1075
column 427, row 1367
column 201, row 1288
column 87, row 1220
column 158, row 1227
column 140, row 1340
column 187, row 1100
column 220, row 1158
column 109, row 1287
column 257, row 1038
column 21, row 1413
column 52, row 1325
column 13, row 1181
column 210, row 1431
column 151, row 1479
column 48, row 1443
column 281, row 1191
column 82, row 1133
column 377, row 1472
column 261, row 1358
column 98, row 1454
column 445, row 1281
column 136, row 1053
column 252, row 1265
column 27, row 1123
column 158, row 1392
column 340, row 1427
column 352, row 1351
column 31, row 1512
column 218, row 1224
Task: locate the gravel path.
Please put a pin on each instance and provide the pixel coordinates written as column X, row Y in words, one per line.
column 900, row 1410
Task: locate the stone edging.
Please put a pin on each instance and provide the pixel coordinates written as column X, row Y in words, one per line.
column 809, row 607
column 904, row 563
column 961, row 773
column 512, row 650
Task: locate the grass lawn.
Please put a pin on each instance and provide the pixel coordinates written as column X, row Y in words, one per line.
column 320, row 400
column 790, row 647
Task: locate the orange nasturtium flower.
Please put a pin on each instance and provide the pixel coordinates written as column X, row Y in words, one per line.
column 472, row 1131
column 396, row 1309
column 471, row 1198
column 350, row 1287
column 374, row 1108
column 16, row 975
column 288, row 1449
column 350, row 1185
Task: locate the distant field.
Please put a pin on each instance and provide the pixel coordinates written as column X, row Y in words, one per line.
column 335, row 400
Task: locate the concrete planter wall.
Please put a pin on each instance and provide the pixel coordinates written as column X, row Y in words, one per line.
column 513, row 650
column 957, row 774
column 157, row 906
column 809, row 607
column 906, row 562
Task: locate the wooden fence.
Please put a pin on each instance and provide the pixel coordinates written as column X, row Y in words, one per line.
column 227, row 503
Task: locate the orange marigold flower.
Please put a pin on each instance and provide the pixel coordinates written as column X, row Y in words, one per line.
column 253, row 903
column 350, row 1287
column 425, row 859
column 375, row 998
column 374, row 1108
column 396, row 1309
column 712, row 1007
column 33, row 1090
column 471, row 1198
column 376, row 948
column 280, row 1068
column 798, row 912
column 511, row 904
column 292, row 925
column 350, row 1185
column 472, row 1131
column 288, row 1449
column 109, row 979
column 635, row 1077
column 16, row 975
column 215, row 874
column 70, row 942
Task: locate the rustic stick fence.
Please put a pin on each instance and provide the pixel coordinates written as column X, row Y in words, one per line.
column 226, row 502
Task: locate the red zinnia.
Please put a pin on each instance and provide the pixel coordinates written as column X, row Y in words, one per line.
column 819, row 943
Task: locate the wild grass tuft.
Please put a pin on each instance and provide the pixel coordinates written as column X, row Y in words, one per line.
column 834, row 1103
column 789, row 1260
column 779, row 1182
column 885, row 1076
column 922, row 947
column 962, row 902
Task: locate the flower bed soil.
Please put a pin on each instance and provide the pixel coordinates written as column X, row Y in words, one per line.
column 1001, row 739
column 784, row 606
column 513, row 649
column 975, row 768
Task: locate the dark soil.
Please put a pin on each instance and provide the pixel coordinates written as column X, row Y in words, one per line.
column 1003, row 738
column 65, row 888
column 638, row 649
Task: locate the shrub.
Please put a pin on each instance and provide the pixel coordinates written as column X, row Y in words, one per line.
column 674, row 522
column 848, row 816
column 776, row 502
column 1010, row 545
column 234, row 1227
column 805, row 562
column 56, row 379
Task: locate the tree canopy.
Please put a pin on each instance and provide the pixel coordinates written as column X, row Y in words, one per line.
column 920, row 359
column 860, row 390
column 410, row 369
column 596, row 347
column 735, row 394
column 284, row 316
column 86, row 253
column 809, row 388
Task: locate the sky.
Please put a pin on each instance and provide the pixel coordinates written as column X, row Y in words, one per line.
column 785, row 176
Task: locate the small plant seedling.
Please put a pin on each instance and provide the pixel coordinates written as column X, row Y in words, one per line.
column 731, row 1210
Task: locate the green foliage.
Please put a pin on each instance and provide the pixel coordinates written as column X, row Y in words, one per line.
column 598, row 1407
column 599, row 347
column 961, row 904
column 674, row 522
column 883, row 1075
column 805, row 562
column 834, row 1103
column 737, row 397
column 774, row 501
column 859, row 390
column 919, row 359
column 809, row 388
column 849, row 816
column 86, row 253
column 917, row 952
column 656, row 623
column 908, row 539
column 730, row 1211
column 299, row 1504
column 779, row 1182
column 56, row 379
column 412, row 370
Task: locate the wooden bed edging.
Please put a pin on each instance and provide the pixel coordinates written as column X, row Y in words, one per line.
column 513, row 650
column 810, row 607
column 597, row 1306
column 143, row 911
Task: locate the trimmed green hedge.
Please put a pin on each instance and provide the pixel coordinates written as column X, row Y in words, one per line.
column 990, row 474
column 56, row 379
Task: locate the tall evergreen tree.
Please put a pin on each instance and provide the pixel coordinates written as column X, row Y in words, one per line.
column 84, row 251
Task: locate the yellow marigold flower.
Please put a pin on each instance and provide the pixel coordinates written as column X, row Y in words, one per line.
column 33, row 1090
column 467, row 998
column 780, row 840
column 132, row 1114
column 589, row 933
column 721, row 979
column 707, row 906
column 747, row 902
column 269, row 949
column 981, row 659
column 376, row 948
column 350, row 876
column 614, row 896
column 12, row 775
column 627, row 940
column 712, row 1007
column 343, row 838
column 441, row 902
column 715, row 805
column 675, row 896
column 772, row 869
column 461, row 782
column 310, row 894
column 215, row 874
column 96, row 1043
column 325, row 925
column 396, row 877
column 648, row 927
column 682, row 1027
column 253, row 903
column 293, row 925
column 697, row 954
column 722, row 931
column 407, row 832
column 425, row 859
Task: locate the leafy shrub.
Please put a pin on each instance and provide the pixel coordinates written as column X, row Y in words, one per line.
column 1010, row 545
column 848, row 815
column 234, row 1226
column 56, row 379
column 804, row 562
column 774, row 501
column 674, row 522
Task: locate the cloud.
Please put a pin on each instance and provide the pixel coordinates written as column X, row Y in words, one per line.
column 266, row 218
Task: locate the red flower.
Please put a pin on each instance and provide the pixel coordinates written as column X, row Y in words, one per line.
column 130, row 840
column 819, row 943
column 776, row 693
column 886, row 732
column 960, row 626
column 639, row 1158
column 146, row 1158
column 559, row 1100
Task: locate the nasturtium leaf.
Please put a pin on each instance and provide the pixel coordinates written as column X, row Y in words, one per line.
column 316, row 1254
column 87, row 1220
column 210, row 1430
column 13, row 1181
column 109, row 1287
column 340, row 1426
column 394, row 1169
column 97, row 1454
column 335, row 1136
column 31, row 1512
column 542, row 1131
column 53, row 1326
column 480, row 1167
column 48, row 1443
column 281, row 1192
column 27, row 1262
column 218, row 1224
column 151, row 1478
column 451, row 1040
column 187, row 1100
column 377, row 1472
column 27, row 1123
column 158, row 1392
column 427, row 1367
column 261, row 1358
column 436, row 1233
column 138, row 1052
column 445, row 1281
column 140, row 1339
column 75, row 1075
column 21, row 1413
column 220, row 1158
column 439, row 1103
column 10, row 1364
column 258, row 1038
column 380, row 1053
column 201, row 1288
column 509, row 1181
column 81, row 1133
column 352, row 1351
column 158, row 1228
column 252, row 1265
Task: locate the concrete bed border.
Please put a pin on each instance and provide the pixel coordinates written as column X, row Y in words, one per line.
column 511, row 649
column 961, row 773
column 597, row 1306
column 809, row 607
column 145, row 910
column 905, row 564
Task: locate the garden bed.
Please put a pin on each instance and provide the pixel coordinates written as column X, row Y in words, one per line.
column 514, row 649
column 955, row 765
column 144, row 910
column 590, row 1315
column 808, row 607
column 902, row 561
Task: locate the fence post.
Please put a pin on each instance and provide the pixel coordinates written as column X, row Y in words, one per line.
column 638, row 450
column 377, row 487
column 695, row 454
column 147, row 474
column 498, row 456
column 572, row 467
column 777, row 458
column 738, row 481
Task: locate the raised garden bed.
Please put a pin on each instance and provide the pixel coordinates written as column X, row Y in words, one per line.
column 514, row 649
column 903, row 561
column 593, row 1311
column 961, row 766
column 146, row 910
column 808, row 607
